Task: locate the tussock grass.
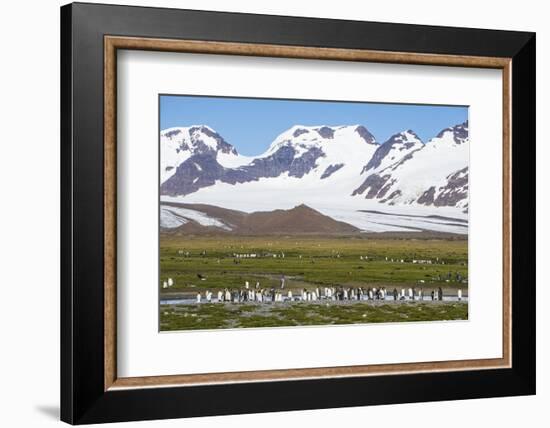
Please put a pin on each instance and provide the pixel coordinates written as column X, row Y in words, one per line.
column 224, row 316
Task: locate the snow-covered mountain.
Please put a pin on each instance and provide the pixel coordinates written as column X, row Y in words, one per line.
column 341, row 171
column 179, row 144
column 198, row 157
column 435, row 173
column 394, row 149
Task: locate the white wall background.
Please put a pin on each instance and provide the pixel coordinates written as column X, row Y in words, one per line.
column 29, row 214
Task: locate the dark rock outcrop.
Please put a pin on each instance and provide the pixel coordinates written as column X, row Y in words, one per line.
column 201, row 147
column 394, row 142
column 203, row 170
column 375, row 184
column 460, row 132
column 390, row 199
column 173, row 133
column 326, row 132
column 299, row 132
column 427, row 198
column 331, row 169
column 365, row 134
column 454, row 191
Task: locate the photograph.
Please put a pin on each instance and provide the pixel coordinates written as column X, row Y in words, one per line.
column 293, row 212
column 263, row 213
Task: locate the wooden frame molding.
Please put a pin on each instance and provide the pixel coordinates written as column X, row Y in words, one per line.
column 113, row 43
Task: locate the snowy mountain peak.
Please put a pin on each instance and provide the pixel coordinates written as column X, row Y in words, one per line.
column 457, row 134
column 433, row 174
column 302, row 138
column 180, row 143
column 395, row 148
column 197, row 138
column 304, row 133
column 405, row 137
column 205, row 135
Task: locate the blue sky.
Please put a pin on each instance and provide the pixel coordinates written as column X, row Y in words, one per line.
column 251, row 124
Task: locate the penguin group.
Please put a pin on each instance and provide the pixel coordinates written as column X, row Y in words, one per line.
column 257, row 294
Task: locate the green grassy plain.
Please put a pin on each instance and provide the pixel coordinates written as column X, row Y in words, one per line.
column 308, row 262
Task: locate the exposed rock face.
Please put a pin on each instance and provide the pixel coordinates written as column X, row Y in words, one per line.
column 454, row 191
column 450, row 194
column 173, row 133
column 331, row 170
column 326, row 132
column 402, row 161
column 283, row 160
column 203, row 170
column 365, row 134
column 223, row 146
column 460, row 132
column 299, row 132
column 391, row 199
column 373, row 186
column 427, row 198
column 386, row 189
column 395, row 148
column 198, row 171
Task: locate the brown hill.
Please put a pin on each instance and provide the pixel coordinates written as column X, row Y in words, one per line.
column 298, row 220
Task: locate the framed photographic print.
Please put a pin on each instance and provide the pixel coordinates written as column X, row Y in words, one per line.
column 278, row 213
